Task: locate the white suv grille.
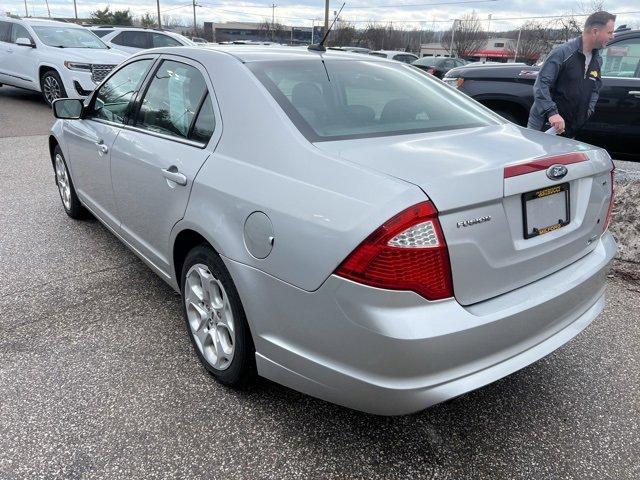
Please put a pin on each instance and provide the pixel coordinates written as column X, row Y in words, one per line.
column 98, row 72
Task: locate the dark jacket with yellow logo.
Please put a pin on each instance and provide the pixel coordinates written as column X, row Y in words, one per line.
column 563, row 87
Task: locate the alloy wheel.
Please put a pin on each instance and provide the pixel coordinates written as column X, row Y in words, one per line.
column 51, row 87
column 64, row 186
column 210, row 316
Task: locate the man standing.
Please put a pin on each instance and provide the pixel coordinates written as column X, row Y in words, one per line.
column 568, row 84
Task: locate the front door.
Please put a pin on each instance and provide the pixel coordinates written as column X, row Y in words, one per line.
column 153, row 164
column 615, row 125
column 91, row 139
column 23, row 59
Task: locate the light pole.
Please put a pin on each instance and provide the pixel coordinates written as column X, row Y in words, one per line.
column 489, row 25
column 515, row 57
column 195, row 25
column 159, row 21
column 453, row 36
column 75, row 8
column 326, row 17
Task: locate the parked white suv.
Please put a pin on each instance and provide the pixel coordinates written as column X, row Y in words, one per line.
column 55, row 58
column 132, row 40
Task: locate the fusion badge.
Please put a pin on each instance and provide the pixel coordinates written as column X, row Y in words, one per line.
column 473, row 221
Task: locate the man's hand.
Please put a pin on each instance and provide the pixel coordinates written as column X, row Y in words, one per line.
column 558, row 122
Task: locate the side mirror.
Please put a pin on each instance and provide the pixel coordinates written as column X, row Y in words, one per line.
column 68, row 108
column 25, row 42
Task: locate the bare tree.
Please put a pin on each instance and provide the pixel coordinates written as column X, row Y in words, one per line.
column 343, row 34
column 536, row 39
column 274, row 31
column 468, row 38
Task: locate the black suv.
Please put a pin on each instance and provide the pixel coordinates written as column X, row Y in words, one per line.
column 615, row 124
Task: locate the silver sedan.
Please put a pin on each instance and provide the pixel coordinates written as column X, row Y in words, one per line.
column 340, row 224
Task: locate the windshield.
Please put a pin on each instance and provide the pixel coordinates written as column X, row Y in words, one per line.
column 335, row 100
column 68, row 37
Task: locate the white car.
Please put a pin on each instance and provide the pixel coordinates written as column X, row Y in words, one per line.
column 55, row 58
column 133, row 40
column 397, row 55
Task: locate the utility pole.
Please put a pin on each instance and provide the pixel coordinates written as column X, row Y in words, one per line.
column 453, row 36
column 326, row 17
column 75, row 8
column 26, row 11
column 489, row 25
column 195, row 25
column 159, row 21
column 515, row 57
column 48, row 9
column 273, row 21
column 313, row 25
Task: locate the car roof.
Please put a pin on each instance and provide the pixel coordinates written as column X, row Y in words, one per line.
column 35, row 22
column 393, row 52
column 258, row 53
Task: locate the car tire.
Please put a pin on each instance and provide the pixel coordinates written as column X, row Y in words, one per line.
column 508, row 116
column 215, row 318
column 52, row 87
column 67, row 191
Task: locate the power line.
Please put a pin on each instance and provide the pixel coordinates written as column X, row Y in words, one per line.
column 401, row 5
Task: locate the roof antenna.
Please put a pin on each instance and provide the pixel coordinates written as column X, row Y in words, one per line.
column 319, row 47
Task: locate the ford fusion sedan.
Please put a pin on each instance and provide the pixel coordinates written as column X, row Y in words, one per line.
column 55, row 58
column 348, row 227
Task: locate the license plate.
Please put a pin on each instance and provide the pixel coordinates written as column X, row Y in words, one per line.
column 545, row 210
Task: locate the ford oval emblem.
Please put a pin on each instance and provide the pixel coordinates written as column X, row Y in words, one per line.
column 556, row 172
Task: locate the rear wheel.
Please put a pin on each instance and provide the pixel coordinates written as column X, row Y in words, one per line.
column 215, row 319
column 52, row 87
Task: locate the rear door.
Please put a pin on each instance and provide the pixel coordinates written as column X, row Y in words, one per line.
column 615, row 124
column 90, row 139
column 154, row 163
column 5, row 46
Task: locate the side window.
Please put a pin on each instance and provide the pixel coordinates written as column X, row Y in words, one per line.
column 19, row 32
column 205, row 123
column 101, row 32
column 449, row 64
column 622, row 59
column 160, row 40
column 172, row 100
column 112, row 100
column 132, row 39
column 404, row 58
column 5, row 31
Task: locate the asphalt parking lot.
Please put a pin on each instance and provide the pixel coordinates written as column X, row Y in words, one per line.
column 98, row 379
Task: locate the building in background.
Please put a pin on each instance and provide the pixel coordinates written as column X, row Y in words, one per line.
column 259, row 32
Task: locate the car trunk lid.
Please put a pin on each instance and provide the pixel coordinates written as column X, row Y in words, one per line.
column 479, row 180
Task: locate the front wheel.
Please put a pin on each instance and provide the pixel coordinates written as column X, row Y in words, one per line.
column 215, row 318
column 52, row 87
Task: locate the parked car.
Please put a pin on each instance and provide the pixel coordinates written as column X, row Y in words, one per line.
column 404, row 57
column 132, row 40
column 615, row 125
column 438, row 66
column 55, row 58
column 352, row 49
column 198, row 40
column 331, row 253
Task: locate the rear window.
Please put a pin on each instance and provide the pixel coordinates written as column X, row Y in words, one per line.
column 336, row 100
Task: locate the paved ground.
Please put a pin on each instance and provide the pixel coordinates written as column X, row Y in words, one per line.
column 98, row 380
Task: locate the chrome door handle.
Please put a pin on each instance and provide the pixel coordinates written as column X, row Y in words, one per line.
column 174, row 175
column 102, row 148
column 635, row 93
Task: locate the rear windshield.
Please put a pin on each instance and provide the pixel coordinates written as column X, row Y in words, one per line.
column 336, row 100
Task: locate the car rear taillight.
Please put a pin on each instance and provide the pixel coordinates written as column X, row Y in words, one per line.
column 607, row 222
column 408, row 252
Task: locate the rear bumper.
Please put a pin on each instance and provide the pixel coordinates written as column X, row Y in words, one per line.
column 393, row 353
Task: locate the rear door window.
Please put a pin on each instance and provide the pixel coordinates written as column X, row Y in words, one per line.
column 5, row 31
column 133, row 39
column 173, row 99
column 160, row 40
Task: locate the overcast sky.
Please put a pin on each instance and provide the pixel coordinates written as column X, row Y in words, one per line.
column 436, row 14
